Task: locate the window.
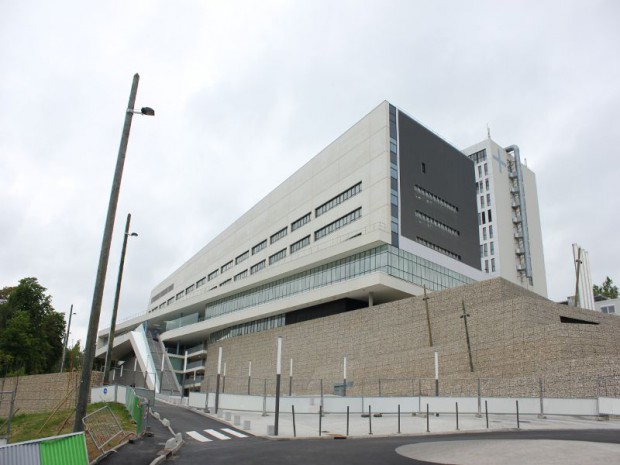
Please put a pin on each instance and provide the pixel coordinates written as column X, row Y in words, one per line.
column 490, row 217
column 430, row 245
column 486, row 184
column 493, row 265
column 201, row 282
column 608, row 309
column 276, row 257
column 484, row 218
column 489, row 200
column 481, row 251
column 227, row 266
column 486, row 251
column 241, row 275
column 394, row 225
column 258, row 247
column 279, row 235
column 479, row 171
column 423, row 167
column 170, row 300
column 479, row 156
column 180, row 294
column 212, row 275
column 300, row 244
column 256, row 268
column 486, row 169
column 484, row 233
column 433, row 222
column 300, row 222
column 392, row 145
column 223, row 283
column 243, row 256
column 339, row 223
column 346, row 195
column 486, row 266
column 492, row 245
column 490, row 231
column 436, row 199
column 394, row 197
column 189, row 289
column 482, row 201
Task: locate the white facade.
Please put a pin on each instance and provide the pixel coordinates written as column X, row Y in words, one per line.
column 609, row 306
column 325, row 234
column 509, row 219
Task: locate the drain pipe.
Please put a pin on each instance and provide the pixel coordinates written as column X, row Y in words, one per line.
column 523, row 210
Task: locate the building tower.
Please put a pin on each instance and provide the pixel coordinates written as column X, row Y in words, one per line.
column 508, row 216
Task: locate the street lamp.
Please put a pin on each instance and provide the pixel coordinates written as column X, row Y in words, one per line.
column 95, row 311
column 108, row 355
column 64, row 346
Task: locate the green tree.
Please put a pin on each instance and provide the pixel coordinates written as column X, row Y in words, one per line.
column 607, row 289
column 31, row 331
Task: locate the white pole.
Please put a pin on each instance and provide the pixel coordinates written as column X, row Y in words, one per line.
column 219, row 361
column 224, row 368
column 135, row 364
column 162, row 362
column 436, row 365
column 345, row 368
column 122, row 369
column 185, row 363
column 279, row 356
column 291, row 370
column 250, row 369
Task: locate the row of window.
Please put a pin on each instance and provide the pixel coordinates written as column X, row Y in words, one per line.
column 435, row 198
column 479, row 157
column 352, row 191
column 488, row 201
column 481, row 187
column 438, row 224
column 439, row 249
column 484, row 232
column 486, row 266
column 339, row 223
column 346, row 195
column 487, row 249
column 480, row 168
column 255, row 326
column 484, row 216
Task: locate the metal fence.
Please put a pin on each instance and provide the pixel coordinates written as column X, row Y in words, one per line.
column 548, row 386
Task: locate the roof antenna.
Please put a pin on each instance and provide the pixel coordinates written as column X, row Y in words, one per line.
column 488, row 131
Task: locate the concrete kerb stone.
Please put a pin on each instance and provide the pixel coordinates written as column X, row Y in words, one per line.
column 173, row 445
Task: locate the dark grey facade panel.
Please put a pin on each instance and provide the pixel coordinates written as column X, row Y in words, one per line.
column 444, row 172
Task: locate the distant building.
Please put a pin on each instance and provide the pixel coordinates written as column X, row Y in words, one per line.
column 609, row 306
column 510, row 234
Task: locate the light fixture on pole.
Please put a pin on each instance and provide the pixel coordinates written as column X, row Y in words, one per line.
column 217, row 382
column 64, row 346
column 108, row 355
column 95, row 311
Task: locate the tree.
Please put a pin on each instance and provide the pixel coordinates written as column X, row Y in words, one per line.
column 607, row 289
column 31, row 331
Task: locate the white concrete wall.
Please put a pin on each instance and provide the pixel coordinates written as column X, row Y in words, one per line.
column 609, row 406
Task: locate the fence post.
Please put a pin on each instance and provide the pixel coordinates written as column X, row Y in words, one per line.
column 379, row 387
column 347, row 420
column 427, row 420
column 294, row 428
column 265, row 397
column 320, row 418
column 370, row 419
column 486, row 413
column 457, row 416
column 518, row 426
column 321, row 397
column 398, row 418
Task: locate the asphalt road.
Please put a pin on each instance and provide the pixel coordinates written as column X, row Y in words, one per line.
column 364, row 451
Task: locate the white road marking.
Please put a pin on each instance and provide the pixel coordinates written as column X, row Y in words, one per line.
column 216, row 434
column 197, row 436
column 234, row 433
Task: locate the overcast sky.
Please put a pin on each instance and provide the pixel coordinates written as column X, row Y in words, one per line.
column 247, row 92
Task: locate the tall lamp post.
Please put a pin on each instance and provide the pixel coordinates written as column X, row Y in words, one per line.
column 95, row 311
column 64, row 347
column 108, row 355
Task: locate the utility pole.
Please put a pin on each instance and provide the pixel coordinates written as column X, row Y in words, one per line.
column 95, row 311
column 577, row 270
column 465, row 315
column 64, row 347
column 428, row 319
column 108, row 355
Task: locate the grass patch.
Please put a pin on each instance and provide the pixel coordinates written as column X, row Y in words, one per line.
column 26, row 427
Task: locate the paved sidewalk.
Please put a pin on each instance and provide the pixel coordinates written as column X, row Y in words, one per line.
column 307, row 425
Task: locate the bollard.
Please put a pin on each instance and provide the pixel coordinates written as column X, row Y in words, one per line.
column 486, row 413
column 518, row 414
column 457, row 416
column 294, row 428
column 398, row 418
column 370, row 419
column 427, row 421
column 347, row 420
column 320, row 417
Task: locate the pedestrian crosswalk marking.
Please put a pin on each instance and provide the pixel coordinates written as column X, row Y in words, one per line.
column 198, row 437
column 234, row 433
column 216, row 434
